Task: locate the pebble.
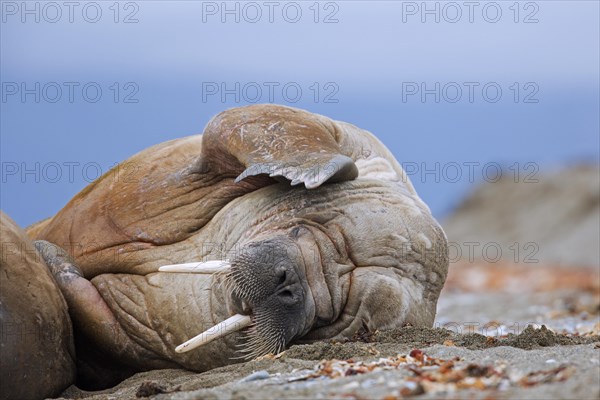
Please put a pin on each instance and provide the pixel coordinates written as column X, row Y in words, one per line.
column 256, row 376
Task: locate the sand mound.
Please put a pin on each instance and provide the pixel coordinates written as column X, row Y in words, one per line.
column 553, row 218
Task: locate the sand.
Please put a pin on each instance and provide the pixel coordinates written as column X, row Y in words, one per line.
column 558, row 357
column 533, row 364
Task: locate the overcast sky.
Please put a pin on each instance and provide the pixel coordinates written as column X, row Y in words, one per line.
column 467, row 84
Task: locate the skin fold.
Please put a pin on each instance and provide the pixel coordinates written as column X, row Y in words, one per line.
column 325, row 234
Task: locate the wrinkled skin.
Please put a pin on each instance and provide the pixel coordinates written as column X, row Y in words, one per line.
column 335, row 242
column 37, row 355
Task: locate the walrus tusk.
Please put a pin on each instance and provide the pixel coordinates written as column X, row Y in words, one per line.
column 208, row 267
column 230, row 325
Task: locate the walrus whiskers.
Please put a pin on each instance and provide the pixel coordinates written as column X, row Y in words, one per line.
column 207, row 267
column 230, row 325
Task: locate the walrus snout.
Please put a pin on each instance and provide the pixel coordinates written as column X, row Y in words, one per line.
column 263, row 269
column 265, row 275
column 268, row 291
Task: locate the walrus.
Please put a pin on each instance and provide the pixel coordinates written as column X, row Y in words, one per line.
column 288, row 226
column 37, row 353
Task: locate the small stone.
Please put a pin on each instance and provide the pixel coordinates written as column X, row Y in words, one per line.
column 258, row 375
column 150, row 388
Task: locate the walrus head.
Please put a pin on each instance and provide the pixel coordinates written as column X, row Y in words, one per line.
column 309, row 272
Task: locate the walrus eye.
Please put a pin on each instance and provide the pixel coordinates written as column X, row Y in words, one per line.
column 295, row 232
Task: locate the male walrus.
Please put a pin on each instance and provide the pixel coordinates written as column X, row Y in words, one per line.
column 311, row 224
column 37, row 355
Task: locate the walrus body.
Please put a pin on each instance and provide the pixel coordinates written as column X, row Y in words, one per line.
column 37, row 355
column 353, row 248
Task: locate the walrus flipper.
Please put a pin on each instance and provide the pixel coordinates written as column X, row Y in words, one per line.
column 279, row 142
column 313, row 172
column 112, row 351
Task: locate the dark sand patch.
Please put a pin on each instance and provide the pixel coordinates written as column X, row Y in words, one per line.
column 387, row 343
column 529, row 338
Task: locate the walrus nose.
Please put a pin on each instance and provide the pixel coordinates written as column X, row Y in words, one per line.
column 290, row 296
column 284, row 278
column 287, row 283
